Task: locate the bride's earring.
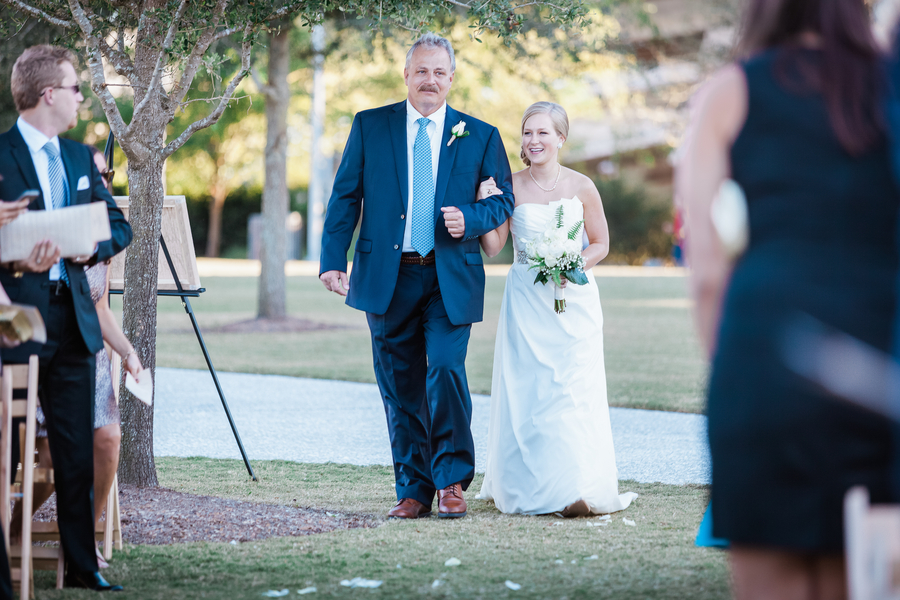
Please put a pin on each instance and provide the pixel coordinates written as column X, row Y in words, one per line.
column 559, row 146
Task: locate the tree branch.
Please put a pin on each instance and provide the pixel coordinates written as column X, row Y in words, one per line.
column 98, row 79
column 226, row 97
column 120, row 61
column 158, row 69
column 196, row 57
column 36, row 12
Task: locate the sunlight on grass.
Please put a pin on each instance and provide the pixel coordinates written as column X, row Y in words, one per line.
column 652, row 356
column 550, row 557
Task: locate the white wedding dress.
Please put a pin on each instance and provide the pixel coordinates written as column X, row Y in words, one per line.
column 550, row 442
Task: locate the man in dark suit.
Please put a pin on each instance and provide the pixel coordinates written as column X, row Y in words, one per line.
column 411, row 171
column 46, row 91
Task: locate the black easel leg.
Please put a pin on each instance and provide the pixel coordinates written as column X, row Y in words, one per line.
column 212, row 371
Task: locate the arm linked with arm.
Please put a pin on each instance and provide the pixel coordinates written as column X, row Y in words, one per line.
column 488, row 214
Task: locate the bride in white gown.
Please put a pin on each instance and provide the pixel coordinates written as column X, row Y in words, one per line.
column 550, row 443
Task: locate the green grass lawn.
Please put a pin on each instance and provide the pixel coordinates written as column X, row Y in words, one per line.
column 655, row 558
column 652, row 356
column 652, row 361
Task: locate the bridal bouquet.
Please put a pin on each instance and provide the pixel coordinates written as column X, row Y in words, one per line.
column 557, row 254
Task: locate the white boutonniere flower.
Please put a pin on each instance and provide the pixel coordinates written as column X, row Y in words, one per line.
column 457, row 131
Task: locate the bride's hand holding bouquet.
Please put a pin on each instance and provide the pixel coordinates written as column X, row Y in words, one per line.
column 556, row 255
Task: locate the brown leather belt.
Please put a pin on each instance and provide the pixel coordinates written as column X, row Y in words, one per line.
column 414, row 258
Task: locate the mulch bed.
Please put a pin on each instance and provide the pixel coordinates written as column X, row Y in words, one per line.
column 160, row 516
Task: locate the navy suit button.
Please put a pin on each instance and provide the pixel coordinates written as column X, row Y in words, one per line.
column 396, row 247
column 402, row 216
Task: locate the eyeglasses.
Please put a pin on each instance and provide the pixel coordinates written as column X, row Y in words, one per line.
column 75, row 89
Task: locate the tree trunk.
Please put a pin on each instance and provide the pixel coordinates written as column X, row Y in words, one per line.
column 146, row 193
column 145, row 189
column 319, row 173
column 216, row 206
column 273, row 251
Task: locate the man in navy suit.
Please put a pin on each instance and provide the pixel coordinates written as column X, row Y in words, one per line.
column 46, row 91
column 410, row 172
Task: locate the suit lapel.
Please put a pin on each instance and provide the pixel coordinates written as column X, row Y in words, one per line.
column 22, row 155
column 397, row 124
column 448, row 154
column 71, row 172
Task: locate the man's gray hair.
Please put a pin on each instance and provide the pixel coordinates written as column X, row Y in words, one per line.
column 432, row 40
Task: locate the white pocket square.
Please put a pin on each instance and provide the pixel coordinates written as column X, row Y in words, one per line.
column 84, row 183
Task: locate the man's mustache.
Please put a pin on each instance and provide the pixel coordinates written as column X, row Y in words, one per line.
column 428, row 88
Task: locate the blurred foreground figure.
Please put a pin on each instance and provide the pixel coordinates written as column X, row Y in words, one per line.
column 797, row 123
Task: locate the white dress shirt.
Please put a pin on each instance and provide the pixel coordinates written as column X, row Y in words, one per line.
column 35, row 141
column 435, row 131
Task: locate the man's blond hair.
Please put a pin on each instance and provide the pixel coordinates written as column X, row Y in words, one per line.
column 37, row 69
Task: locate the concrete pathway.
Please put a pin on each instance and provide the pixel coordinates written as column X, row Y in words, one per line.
column 313, row 420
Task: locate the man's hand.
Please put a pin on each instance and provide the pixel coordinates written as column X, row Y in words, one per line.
column 44, row 255
column 454, row 221
column 9, row 211
column 335, row 281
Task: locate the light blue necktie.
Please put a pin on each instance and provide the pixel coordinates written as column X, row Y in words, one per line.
column 59, row 191
column 422, row 226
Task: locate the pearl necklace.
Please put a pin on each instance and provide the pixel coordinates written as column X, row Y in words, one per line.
column 555, row 183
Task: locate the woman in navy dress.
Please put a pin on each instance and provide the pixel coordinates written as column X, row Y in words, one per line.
column 797, row 124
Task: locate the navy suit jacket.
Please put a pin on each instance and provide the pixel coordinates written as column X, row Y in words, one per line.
column 19, row 175
column 372, row 184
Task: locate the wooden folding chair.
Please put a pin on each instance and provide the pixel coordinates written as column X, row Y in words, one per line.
column 24, row 558
column 110, row 531
column 872, row 541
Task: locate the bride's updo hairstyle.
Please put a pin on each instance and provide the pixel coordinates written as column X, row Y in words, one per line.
column 557, row 115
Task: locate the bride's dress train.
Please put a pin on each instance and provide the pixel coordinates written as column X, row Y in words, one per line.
column 550, row 442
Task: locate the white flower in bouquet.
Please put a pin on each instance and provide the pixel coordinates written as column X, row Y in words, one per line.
column 556, row 254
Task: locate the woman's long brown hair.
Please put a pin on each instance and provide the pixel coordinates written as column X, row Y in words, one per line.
column 848, row 74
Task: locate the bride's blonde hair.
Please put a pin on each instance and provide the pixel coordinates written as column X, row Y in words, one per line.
column 557, row 115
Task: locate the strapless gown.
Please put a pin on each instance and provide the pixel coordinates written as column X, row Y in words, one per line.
column 549, row 442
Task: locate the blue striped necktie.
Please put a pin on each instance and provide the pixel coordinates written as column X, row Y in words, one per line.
column 59, row 191
column 422, row 226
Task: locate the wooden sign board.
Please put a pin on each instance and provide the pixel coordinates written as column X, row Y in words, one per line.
column 176, row 230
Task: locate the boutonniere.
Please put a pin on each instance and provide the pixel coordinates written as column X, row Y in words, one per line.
column 457, row 131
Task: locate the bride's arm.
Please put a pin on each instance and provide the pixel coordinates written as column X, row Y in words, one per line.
column 594, row 224
column 493, row 241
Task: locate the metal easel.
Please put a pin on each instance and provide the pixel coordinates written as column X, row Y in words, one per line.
column 186, row 303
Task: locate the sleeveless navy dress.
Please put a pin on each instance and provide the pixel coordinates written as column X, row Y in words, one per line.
column 822, row 242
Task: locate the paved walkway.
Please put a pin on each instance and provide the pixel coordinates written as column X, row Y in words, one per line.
column 313, row 420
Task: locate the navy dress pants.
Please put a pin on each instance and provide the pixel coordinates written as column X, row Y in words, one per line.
column 420, row 368
column 67, row 380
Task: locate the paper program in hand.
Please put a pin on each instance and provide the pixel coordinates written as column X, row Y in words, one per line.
column 143, row 388
column 75, row 229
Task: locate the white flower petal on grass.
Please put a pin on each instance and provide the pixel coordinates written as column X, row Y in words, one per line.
column 452, row 562
column 591, row 557
column 399, row 566
column 574, row 561
column 513, row 586
column 276, row 593
column 233, row 542
column 628, row 522
column 307, row 590
column 436, row 583
column 558, row 561
column 604, row 518
column 360, row 582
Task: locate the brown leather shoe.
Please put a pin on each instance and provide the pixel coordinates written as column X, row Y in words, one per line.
column 579, row 508
column 407, row 508
column 451, row 504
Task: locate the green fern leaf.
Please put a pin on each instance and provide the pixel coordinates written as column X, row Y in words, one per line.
column 576, row 229
column 559, row 217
